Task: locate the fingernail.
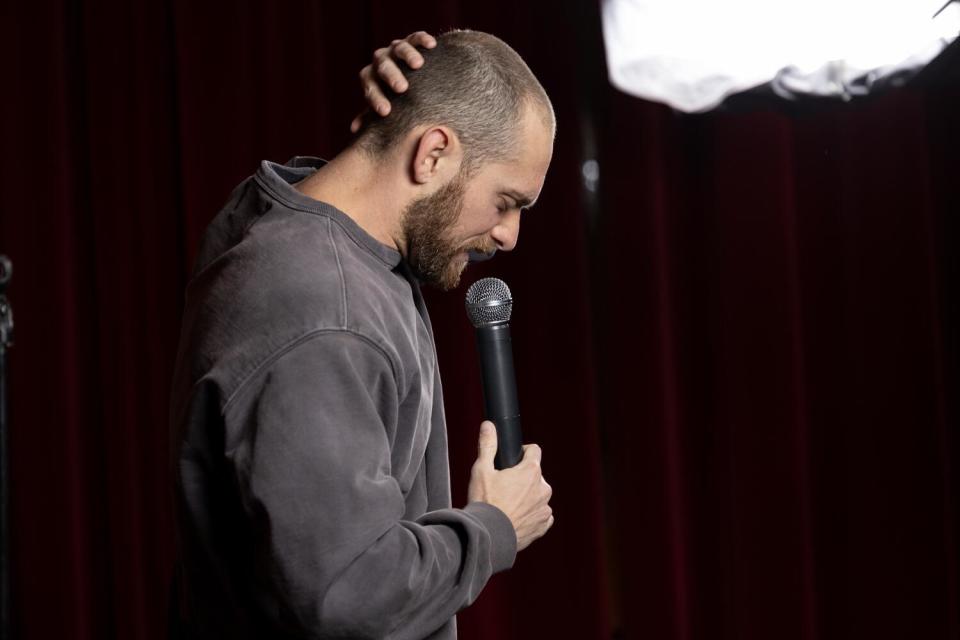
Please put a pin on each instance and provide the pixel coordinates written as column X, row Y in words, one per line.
column 486, row 428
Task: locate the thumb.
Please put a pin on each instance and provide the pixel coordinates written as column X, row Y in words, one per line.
column 488, row 443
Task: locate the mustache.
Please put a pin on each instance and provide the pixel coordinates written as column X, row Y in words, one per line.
column 482, row 253
column 478, row 256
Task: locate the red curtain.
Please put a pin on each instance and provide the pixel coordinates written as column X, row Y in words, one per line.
column 740, row 373
column 778, row 367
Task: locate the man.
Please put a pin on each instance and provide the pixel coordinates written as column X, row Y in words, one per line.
column 310, row 445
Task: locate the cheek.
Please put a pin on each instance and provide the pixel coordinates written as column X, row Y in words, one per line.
column 477, row 221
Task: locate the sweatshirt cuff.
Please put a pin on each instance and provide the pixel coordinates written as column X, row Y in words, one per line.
column 503, row 537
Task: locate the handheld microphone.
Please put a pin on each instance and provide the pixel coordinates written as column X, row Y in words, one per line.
column 489, row 305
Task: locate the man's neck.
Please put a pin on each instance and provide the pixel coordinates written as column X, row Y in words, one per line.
column 363, row 189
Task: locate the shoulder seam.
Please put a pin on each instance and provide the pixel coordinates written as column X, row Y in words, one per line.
column 343, row 280
column 293, row 344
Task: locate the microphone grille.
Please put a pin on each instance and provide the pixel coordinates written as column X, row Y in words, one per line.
column 489, row 302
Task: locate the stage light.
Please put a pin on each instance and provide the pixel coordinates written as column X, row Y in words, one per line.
column 691, row 54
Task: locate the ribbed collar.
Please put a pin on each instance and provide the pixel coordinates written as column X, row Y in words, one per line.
column 279, row 179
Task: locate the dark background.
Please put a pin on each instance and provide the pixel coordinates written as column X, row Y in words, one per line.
column 739, row 354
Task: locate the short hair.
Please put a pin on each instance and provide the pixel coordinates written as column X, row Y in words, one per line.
column 472, row 82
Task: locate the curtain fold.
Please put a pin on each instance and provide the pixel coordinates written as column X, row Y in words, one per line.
column 796, row 257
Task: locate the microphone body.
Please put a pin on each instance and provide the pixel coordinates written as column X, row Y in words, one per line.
column 500, row 392
column 489, row 305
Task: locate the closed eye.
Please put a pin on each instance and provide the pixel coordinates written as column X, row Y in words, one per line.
column 505, row 206
column 520, row 201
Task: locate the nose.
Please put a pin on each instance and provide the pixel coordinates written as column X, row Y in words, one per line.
column 507, row 231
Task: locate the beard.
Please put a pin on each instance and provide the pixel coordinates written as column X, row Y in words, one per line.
column 427, row 226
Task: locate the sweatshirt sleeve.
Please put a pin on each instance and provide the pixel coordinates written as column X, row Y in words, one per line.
column 311, row 449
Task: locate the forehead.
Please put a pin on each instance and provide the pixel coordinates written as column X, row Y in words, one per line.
column 524, row 173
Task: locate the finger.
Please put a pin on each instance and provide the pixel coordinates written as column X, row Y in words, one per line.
column 421, row 39
column 380, row 54
column 389, row 72
column 408, row 53
column 532, row 454
column 357, row 122
column 548, row 488
column 487, row 448
column 550, row 522
column 372, row 92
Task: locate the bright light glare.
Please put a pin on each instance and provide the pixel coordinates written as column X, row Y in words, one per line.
column 691, row 54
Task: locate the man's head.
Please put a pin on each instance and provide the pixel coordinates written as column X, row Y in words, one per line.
column 474, row 135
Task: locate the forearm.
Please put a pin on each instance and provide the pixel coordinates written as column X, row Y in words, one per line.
column 417, row 575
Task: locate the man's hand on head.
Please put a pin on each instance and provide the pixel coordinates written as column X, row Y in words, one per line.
column 384, row 70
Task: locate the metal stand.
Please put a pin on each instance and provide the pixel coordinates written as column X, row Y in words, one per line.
column 6, row 341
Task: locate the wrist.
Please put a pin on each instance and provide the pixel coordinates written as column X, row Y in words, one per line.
column 503, row 535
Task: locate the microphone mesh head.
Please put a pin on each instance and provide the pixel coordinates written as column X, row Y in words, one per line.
column 489, row 302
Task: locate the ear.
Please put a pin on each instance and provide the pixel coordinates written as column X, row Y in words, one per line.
column 437, row 155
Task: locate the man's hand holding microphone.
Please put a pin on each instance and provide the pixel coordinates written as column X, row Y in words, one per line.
column 520, row 491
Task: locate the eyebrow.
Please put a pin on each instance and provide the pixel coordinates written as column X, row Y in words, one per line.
column 523, row 201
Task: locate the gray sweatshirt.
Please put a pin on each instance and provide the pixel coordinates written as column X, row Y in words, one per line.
column 308, row 436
